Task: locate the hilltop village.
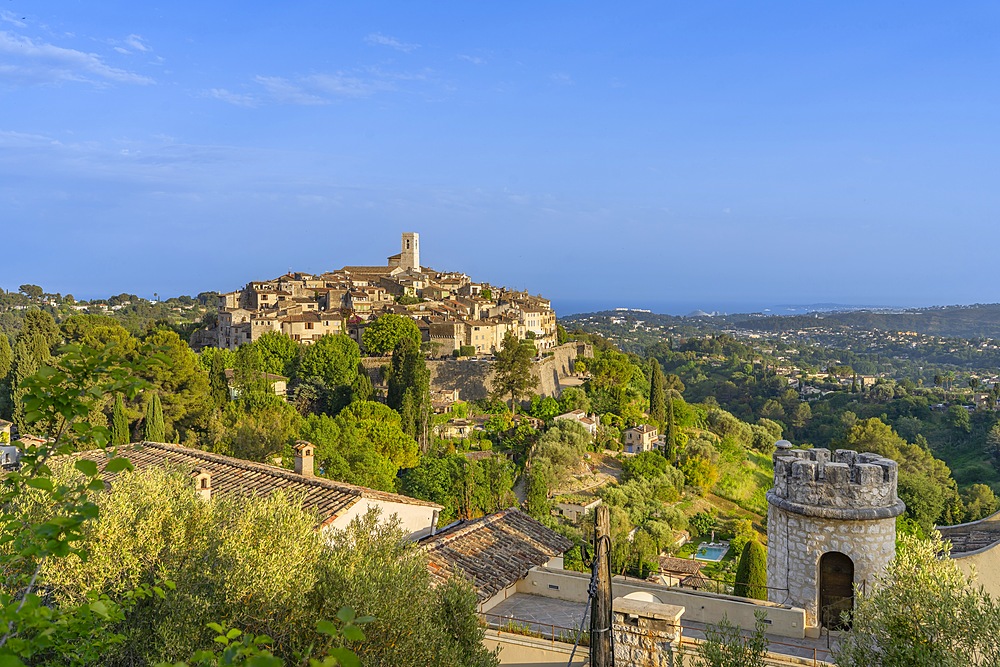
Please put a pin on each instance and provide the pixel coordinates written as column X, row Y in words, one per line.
column 456, row 316
column 405, row 433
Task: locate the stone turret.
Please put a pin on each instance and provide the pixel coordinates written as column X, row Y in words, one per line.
column 830, row 526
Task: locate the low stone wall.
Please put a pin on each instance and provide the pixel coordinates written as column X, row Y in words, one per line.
column 699, row 606
column 984, row 566
column 524, row 651
column 645, row 634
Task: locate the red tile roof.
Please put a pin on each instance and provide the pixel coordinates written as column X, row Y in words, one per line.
column 493, row 551
column 236, row 477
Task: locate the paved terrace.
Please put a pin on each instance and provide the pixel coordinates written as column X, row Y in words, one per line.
column 559, row 618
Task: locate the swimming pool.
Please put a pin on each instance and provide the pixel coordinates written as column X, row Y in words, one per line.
column 712, row 551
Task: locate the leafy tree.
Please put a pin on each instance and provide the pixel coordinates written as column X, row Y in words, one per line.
column 959, row 419
column 657, row 394
column 120, row 433
column 365, row 444
column 751, row 572
column 153, row 430
column 6, row 361
column 573, row 398
column 921, row 611
column 97, row 331
column 181, row 382
column 279, row 353
column 258, row 427
column 513, row 370
column 387, row 331
column 979, row 501
column 545, row 408
column 925, row 483
column 333, row 359
column 646, row 465
column 33, row 292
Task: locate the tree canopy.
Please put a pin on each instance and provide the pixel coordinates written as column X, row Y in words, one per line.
column 385, row 333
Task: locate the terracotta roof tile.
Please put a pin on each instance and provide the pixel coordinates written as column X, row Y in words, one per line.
column 493, row 551
column 236, row 477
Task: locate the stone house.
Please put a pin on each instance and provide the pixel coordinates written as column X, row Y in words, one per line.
column 640, row 439
column 335, row 503
column 588, row 422
column 677, row 571
column 574, row 507
column 309, row 327
column 278, row 384
column 494, row 552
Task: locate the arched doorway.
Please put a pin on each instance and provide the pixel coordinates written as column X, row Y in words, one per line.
column 836, row 589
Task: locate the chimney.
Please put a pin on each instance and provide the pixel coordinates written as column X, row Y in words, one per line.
column 202, row 483
column 304, row 458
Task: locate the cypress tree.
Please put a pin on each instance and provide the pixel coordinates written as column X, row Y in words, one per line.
column 6, row 360
column 751, row 572
column 119, row 423
column 6, row 357
column 30, row 352
column 154, row 431
column 657, row 394
column 670, row 436
column 362, row 388
column 409, row 390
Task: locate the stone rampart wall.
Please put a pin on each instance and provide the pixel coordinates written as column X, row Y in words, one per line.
column 863, row 486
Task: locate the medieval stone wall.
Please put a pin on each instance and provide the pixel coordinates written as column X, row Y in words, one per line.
column 842, row 502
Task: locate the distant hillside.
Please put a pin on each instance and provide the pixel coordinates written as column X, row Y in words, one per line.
column 975, row 321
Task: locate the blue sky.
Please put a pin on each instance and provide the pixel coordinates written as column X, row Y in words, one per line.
column 642, row 154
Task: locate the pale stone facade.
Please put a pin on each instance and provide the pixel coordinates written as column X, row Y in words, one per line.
column 842, row 504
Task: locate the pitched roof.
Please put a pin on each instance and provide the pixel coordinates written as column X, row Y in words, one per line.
column 236, row 477
column 679, row 565
column 494, row 551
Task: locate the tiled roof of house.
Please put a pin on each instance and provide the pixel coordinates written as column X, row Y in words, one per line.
column 679, row 565
column 230, row 374
column 236, row 477
column 493, row 551
column 972, row 536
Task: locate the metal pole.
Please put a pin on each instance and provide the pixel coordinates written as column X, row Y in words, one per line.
column 600, row 610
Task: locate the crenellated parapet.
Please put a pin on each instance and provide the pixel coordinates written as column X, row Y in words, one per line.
column 836, row 485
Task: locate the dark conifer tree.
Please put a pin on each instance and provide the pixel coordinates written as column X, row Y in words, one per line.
column 119, row 423
column 657, row 394
column 154, row 430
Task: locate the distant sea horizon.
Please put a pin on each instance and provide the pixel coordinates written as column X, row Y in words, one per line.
column 568, row 307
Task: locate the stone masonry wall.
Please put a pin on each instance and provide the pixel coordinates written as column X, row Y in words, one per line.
column 644, row 642
column 473, row 379
column 795, row 543
column 821, row 503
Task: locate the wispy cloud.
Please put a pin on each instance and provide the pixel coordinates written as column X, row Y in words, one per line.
column 8, row 17
column 137, row 43
column 378, row 39
column 561, row 78
column 237, row 99
column 288, row 92
column 475, row 60
column 346, row 85
column 35, row 62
